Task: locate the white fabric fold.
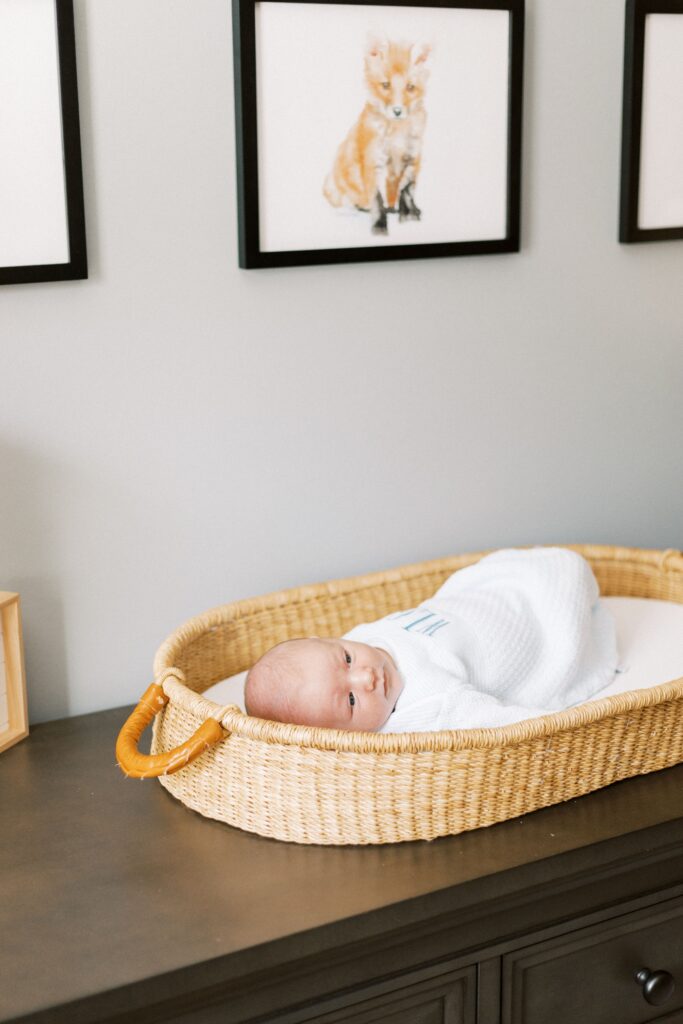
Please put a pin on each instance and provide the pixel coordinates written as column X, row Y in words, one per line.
column 519, row 634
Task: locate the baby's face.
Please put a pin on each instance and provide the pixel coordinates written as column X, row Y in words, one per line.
column 341, row 684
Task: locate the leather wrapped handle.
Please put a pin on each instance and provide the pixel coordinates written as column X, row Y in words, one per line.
column 150, row 766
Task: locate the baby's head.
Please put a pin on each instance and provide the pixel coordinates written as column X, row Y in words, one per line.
column 339, row 684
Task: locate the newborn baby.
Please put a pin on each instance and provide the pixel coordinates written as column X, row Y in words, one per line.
column 519, row 634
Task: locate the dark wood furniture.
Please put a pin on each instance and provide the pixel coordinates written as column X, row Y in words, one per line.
column 118, row 904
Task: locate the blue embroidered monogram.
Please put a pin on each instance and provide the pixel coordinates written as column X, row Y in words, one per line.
column 429, row 630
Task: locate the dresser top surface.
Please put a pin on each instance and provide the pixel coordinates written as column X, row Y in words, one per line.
column 118, row 877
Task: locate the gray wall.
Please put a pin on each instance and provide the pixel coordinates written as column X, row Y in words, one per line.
column 175, row 432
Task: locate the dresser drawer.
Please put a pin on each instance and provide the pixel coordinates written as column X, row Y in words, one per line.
column 590, row 975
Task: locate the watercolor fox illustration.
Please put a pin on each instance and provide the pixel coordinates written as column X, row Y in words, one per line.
column 377, row 165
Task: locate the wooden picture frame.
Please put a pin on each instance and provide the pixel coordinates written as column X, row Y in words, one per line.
column 13, row 709
column 41, row 178
column 305, row 71
column 652, row 122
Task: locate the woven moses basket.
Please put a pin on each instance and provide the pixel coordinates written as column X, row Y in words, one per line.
column 311, row 785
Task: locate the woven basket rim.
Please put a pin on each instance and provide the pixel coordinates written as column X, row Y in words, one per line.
column 237, row 723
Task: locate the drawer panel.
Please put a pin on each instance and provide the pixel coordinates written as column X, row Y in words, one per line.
column 445, row 999
column 429, row 996
column 589, row 975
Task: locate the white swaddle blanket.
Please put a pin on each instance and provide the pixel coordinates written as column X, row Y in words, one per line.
column 519, row 634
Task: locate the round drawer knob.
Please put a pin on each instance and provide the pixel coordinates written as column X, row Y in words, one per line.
column 658, row 986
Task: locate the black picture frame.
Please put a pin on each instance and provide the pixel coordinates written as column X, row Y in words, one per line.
column 632, row 122
column 76, row 267
column 251, row 254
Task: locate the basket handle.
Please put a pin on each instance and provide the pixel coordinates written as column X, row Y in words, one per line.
column 150, row 766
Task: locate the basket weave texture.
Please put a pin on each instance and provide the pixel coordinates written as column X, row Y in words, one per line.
column 326, row 786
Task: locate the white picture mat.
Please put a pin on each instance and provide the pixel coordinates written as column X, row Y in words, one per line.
column 33, row 215
column 310, row 91
column 660, row 193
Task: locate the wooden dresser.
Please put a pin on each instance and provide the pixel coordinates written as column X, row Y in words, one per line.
column 117, row 904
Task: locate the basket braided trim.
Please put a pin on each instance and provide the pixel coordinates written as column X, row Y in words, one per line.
column 326, row 786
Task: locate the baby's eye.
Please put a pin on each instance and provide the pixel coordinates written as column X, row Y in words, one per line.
column 385, row 85
column 347, row 657
column 352, row 699
column 410, row 87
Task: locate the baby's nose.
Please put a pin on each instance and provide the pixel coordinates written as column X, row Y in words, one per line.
column 363, row 676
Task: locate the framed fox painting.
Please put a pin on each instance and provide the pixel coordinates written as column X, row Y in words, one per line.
column 377, row 131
